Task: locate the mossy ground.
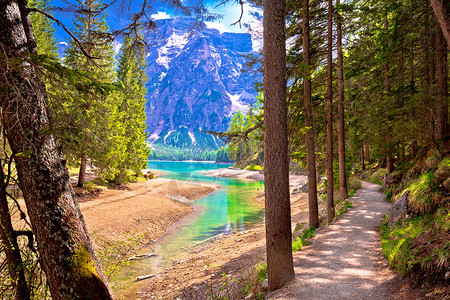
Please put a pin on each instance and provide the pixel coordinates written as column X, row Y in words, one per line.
column 419, row 246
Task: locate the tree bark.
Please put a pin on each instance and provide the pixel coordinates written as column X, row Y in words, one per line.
column 442, row 12
column 442, row 102
column 82, row 172
column 310, row 153
column 341, row 125
column 366, row 152
column 387, row 89
column 363, row 164
column 67, row 255
column 10, row 246
column 330, row 187
column 429, row 80
column 280, row 266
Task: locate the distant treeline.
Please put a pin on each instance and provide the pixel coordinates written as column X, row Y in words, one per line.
column 177, row 154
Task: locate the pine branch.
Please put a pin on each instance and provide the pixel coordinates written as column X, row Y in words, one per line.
column 236, row 136
column 90, row 57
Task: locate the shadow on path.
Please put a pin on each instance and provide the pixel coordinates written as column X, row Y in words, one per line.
column 344, row 260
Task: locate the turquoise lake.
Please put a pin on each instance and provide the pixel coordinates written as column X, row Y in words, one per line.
column 230, row 209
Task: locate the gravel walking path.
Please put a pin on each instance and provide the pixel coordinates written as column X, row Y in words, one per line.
column 345, row 260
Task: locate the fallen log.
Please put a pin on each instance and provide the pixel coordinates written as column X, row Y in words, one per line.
column 145, row 276
column 138, row 256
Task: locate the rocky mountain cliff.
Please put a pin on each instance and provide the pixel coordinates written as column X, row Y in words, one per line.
column 195, row 83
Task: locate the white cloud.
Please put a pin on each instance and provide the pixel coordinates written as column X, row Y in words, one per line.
column 117, row 46
column 160, row 15
column 63, row 43
column 249, row 24
column 216, row 25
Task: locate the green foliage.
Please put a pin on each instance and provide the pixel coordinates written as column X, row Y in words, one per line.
column 253, row 168
column 131, row 77
column 91, row 121
column 354, row 183
column 422, row 193
column 303, row 239
column 44, row 31
column 344, row 208
column 161, row 152
column 222, row 155
column 418, row 243
column 377, row 176
column 94, row 114
column 247, row 151
column 261, row 271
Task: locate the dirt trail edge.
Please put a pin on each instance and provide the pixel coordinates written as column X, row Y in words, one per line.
column 344, row 260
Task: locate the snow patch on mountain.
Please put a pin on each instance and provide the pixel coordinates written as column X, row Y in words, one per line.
column 237, row 105
column 192, row 136
column 167, row 135
column 174, row 42
column 195, row 83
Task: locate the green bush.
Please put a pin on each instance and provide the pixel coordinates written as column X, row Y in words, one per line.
column 303, row 239
column 354, row 183
column 377, row 176
column 253, row 168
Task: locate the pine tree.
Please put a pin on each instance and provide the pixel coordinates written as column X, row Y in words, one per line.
column 61, row 235
column 280, row 268
column 131, row 77
column 96, row 131
column 44, row 32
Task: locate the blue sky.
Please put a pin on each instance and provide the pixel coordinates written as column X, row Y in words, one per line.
column 117, row 19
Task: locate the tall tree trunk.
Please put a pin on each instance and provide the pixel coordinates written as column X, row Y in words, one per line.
column 82, row 172
column 280, row 266
column 429, row 80
column 330, row 187
column 310, row 153
column 341, row 125
column 442, row 12
column 442, row 102
column 67, row 255
column 363, row 164
column 366, row 152
column 10, row 246
column 387, row 89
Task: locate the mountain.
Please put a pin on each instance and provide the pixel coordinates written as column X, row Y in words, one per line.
column 195, row 83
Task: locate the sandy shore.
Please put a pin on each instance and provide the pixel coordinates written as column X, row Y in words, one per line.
column 149, row 208
column 294, row 180
column 234, row 255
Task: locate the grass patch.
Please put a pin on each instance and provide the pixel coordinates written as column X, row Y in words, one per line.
column 354, row 183
column 422, row 196
column 344, row 208
column 261, row 271
column 419, row 244
column 73, row 170
column 304, row 239
column 377, row 176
